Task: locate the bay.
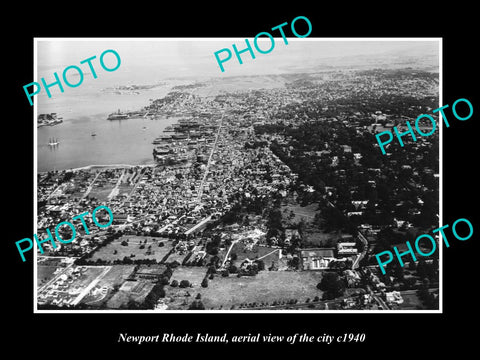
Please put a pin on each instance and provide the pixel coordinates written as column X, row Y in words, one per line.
column 85, row 113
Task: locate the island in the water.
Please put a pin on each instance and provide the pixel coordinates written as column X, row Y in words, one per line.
column 48, row 119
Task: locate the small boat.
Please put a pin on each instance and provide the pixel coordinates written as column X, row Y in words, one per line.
column 93, row 134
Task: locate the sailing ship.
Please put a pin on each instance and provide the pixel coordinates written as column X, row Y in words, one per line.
column 52, row 142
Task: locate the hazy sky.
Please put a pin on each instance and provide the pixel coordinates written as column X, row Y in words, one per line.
column 195, row 57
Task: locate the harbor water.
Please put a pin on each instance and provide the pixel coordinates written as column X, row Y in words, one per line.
column 86, row 137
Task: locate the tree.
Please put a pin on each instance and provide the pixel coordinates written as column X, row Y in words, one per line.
column 196, row 305
column 260, row 264
column 360, row 245
column 332, row 285
column 168, row 272
column 174, row 264
column 184, row 284
column 174, row 283
column 334, row 219
column 163, row 280
column 422, row 268
column 295, row 262
column 126, row 260
column 211, row 270
column 426, row 297
column 152, row 298
column 133, row 305
column 204, row 282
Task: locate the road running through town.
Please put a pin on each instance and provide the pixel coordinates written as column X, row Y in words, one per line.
column 89, row 188
column 200, row 190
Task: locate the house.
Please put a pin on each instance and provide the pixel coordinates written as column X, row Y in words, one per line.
column 394, row 297
column 346, row 148
column 360, row 204
column 347, row 248
column 354, row 213
column 291, row 234
column 316, row 258
column 353, row 278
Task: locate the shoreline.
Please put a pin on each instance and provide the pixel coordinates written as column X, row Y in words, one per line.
column 90, row 167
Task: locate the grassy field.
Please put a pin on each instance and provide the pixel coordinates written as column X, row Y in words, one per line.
column 130, row 290
column 317, row 238
column 307, row 213
column 312, row 234
column 181, row 297
column 410, row 302
column 223, row 292
column 107, row 252
column 44, row 274
column 124, row 189
column 243, row 253
column 194, row 274
column 116, row 275
column 177, row 257
column 101, row 193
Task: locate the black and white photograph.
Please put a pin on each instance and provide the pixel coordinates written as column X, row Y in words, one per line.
column 259, row 188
